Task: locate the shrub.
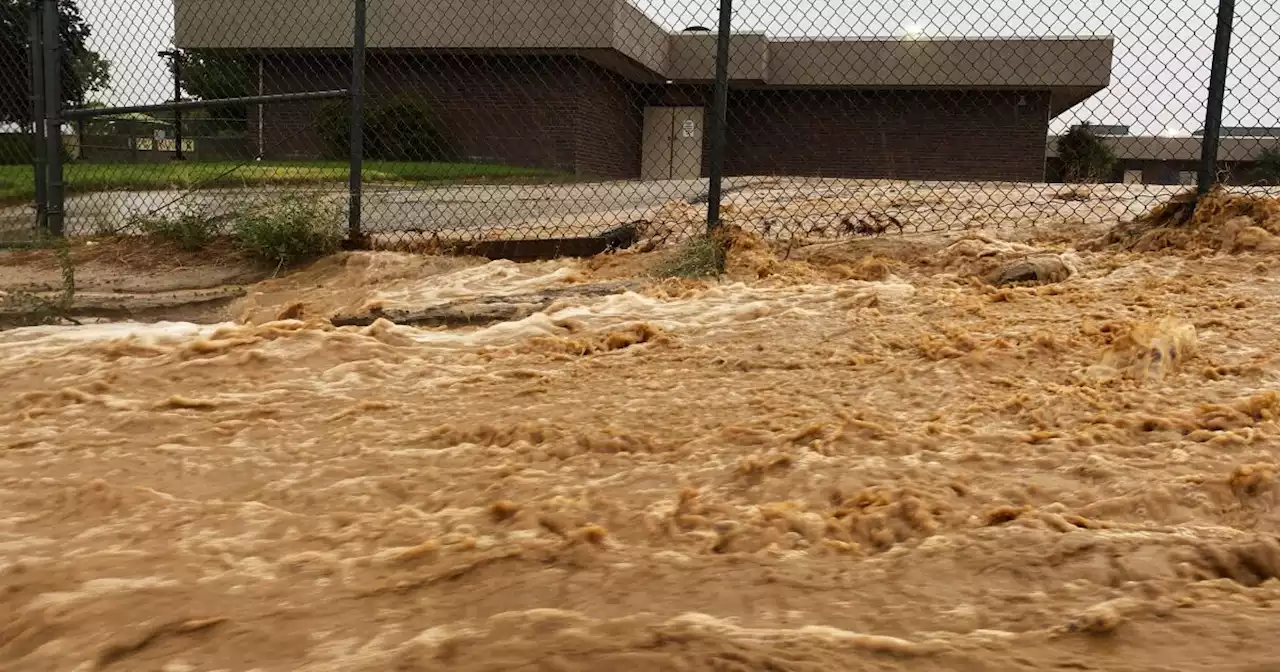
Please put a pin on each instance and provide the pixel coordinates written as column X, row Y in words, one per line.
column 1085, row 157
column 332, row 122
column 291, row 231
column 1267, row 170
column 404, row 130
column 191, row 229
column 397, row 129
column 18, row 149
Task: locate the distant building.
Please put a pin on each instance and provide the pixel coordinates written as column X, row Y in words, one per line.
column 597, row 88
column 1244, row 132
column 1151, row 159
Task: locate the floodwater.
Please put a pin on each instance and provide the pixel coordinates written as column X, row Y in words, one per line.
column 842, row 463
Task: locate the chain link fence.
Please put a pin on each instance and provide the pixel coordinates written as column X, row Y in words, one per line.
column 498, row 120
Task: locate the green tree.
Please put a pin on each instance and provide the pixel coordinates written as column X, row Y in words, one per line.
column 208, row 75
column 93, row 72
column 1267, row 170
column 83, row 70
column 1085, row 156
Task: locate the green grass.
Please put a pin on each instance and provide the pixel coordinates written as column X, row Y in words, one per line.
column 17, row 182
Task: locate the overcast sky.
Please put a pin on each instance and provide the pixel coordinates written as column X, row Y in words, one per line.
column 1160, row 71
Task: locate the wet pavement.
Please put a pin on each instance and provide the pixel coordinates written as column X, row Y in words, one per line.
column 387, row 209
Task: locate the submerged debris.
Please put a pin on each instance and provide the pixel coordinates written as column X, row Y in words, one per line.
column 1001, row 262
column 1042, row 269
column 1151, row 351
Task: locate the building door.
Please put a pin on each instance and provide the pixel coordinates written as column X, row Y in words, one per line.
column 672, row 143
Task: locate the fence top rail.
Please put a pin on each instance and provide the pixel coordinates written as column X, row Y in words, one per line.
column 89, row 112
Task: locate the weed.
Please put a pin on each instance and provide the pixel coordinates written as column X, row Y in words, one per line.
column 21, row 308
column 699, row 257
column 290, row 231
column 103, row 228
column 191, row 229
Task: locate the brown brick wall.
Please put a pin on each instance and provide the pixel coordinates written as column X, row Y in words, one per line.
column 289, row 129
column 565, row 113
column 497, row 109
column 919, row 135
column 555, row 112
column 610, row 125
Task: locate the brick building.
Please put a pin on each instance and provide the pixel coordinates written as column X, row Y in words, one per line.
column 596, row 88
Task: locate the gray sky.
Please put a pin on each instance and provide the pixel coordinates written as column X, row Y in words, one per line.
column 1159, row 76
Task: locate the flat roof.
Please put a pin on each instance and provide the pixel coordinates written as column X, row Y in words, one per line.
column 620, row 36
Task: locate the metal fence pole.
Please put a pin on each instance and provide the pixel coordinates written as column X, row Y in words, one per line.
column 355, row 169
column 719, row 116
column 177, row 112
column 53, row 117
column 37, row 114
column 1217, row 91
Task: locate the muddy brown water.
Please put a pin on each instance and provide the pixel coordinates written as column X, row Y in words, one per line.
column 801, row 471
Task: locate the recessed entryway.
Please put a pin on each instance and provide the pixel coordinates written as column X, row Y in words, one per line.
column 672, row 143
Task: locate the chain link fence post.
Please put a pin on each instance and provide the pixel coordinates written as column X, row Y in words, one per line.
column 355, row 183
column 39, row 161
column 53, row 118
column 1217, row 91
column 719, row 116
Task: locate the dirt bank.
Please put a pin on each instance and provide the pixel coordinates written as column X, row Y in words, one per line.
column 121, row 279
